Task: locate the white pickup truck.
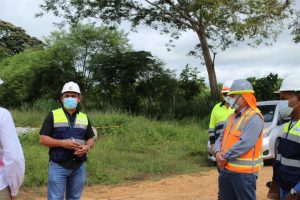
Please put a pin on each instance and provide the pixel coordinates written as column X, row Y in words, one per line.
column 272, row 128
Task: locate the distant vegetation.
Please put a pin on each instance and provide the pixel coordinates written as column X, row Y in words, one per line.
column 129, row 148
column 111, row 75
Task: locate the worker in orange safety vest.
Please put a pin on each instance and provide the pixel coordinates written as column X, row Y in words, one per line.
column 238, row 150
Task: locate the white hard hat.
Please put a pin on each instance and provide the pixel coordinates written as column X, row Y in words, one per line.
column 241, row 86
column 226, row 86
column 290, row 83
column 71, row 87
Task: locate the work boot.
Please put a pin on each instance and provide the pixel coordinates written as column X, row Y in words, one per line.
column 274, row 192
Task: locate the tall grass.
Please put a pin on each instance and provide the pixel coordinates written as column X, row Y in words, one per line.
column 129, row 148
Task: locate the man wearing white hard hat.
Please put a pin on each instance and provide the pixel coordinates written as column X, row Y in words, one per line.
column 287, row 163
column 218, row 116
column 12, row 162
column 68, row 134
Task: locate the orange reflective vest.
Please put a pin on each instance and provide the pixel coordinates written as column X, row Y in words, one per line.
column 251, row 161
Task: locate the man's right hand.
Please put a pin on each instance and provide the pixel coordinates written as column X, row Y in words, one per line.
column 70, row 144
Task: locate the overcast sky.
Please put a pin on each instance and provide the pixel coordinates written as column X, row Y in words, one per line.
column 282, row 58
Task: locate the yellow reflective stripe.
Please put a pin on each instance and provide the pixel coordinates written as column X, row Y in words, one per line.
column 294, row 133
column 59, row 116
column 240, row 92
column 60, row 119
column 245, row 166
column 260, row 157
column 241, row 122
column 291, row 137
column 246, row 162
column 81, row 119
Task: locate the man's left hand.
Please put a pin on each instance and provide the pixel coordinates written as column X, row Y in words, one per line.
column 82, row 150
column 220, row 160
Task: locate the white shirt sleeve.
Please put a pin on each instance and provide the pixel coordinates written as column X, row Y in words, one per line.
column 13, row 157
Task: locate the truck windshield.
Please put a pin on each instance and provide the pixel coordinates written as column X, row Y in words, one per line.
column 267, row 111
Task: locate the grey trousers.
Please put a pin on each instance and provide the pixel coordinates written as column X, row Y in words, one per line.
column 5, row 194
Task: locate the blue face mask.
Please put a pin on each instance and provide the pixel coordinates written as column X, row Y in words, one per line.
column 284, row 109
column 233, row 102
column 70, row 103
column 227, row 99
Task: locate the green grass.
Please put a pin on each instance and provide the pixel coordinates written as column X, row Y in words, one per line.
column 137, row 149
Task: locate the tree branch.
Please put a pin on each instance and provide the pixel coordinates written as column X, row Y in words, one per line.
column 171, row 17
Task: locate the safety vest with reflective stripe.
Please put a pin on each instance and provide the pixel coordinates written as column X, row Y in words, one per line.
column 251, row 161
column 64, row 130
column 218, row 117
column 287, row 162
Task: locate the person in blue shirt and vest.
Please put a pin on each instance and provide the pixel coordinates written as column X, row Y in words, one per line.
column 69, row 135
column 287, row 163
column 239, row 148
column 218, row 117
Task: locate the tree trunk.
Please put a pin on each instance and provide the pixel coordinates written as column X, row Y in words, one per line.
column 208, row 61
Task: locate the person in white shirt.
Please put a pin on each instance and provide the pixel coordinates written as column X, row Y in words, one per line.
column 12, row 162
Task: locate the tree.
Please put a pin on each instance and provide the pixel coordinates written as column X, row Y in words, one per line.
column 119, row 75
column 14, row 40
column 266, row 86
column 296, row 28
column 34, row 74
column 218, row 24
column 189, row 83
column 87, row 42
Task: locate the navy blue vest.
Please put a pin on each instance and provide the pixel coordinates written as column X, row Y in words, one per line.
column 287, row 164
column 64, row 130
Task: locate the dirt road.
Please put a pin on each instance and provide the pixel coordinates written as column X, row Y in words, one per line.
column 200, row 186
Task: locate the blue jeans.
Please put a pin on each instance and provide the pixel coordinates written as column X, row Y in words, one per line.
column 62, row 180
column 237, row 186
column 283, row 193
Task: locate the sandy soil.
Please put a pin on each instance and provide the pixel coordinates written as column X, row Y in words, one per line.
column 200, row 186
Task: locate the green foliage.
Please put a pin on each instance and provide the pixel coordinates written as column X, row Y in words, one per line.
column 14, row 40
column 266, row 86
column 295, row 26
column 36, row 170
column 84, row 43
column 29, row 118
column 30, row 75
column 189, row 83
column 111, row 76
column 42, row 105
column 218, row 24
column 138, row 148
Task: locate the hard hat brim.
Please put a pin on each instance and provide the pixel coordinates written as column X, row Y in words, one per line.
column 240, row 92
